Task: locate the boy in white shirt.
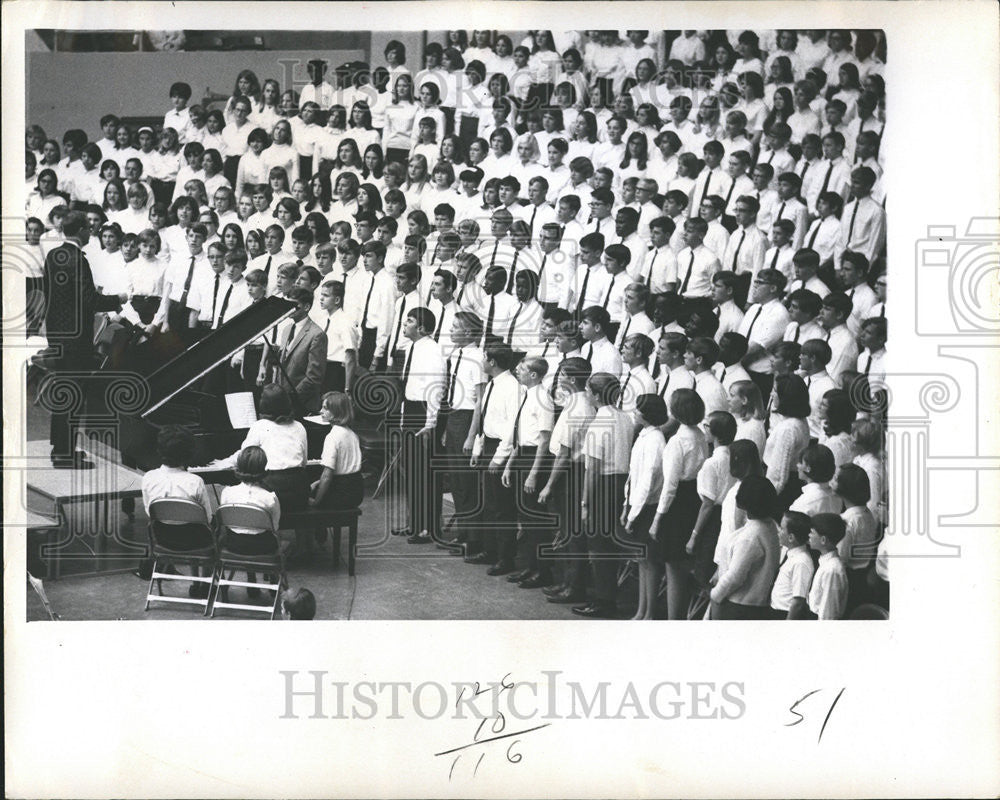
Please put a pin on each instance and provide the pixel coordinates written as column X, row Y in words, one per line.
column 813, row 358
column 828, row 595
column 178, row 117
column 871, row 361
column 342, row 338
column 795, row 575
column 729, row 314
column 803, row 309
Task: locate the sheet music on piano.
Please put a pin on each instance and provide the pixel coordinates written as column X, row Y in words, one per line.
column 242, row 412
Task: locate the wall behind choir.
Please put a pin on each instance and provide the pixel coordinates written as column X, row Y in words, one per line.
column 73, row 90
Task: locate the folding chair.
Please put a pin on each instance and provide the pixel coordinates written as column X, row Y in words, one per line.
column 238, row 515
column 168, row 511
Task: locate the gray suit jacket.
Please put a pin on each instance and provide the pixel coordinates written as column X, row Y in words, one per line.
column 304, row 361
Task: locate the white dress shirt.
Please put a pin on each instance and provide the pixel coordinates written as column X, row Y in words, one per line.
column 695, row 269
column 659, row 268
column 764, row 325
column 603, row 357
column 745, row 251
column 828, row 595
column 501, row 399
column 753, row 565
column 711, row 392
column 645, row 473
column 862, row 229
column 730, row 317
column 862, row 299
column 845, row 352
column 425, row 376
column 465, row 376
column 535, row 415
column 794, row 578
column 817, row 498
column 683, row 457
column 341, row 335
column 818, row 384
column 609, row 440
column 786, row 442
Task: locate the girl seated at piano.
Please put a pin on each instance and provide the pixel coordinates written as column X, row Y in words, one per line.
column 283, row 439
column 341, row 485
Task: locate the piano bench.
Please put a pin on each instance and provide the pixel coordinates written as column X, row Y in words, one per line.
column 328, row 518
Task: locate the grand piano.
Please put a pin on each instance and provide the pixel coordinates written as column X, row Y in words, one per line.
column 174, row 397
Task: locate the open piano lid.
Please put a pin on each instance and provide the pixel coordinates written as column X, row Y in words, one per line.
column 218, row 346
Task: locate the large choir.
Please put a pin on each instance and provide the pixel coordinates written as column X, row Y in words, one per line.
column 625, row 292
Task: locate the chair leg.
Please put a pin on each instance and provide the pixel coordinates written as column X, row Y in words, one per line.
column 352, row 543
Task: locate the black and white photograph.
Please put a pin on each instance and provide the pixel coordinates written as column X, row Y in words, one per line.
column 499, row 328
column 570, row 324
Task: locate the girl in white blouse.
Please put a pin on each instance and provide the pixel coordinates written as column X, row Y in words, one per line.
column 747, row 406
column 838, row 415
column 678, row 504
column 645, row 482
column 251, row 468
column 788, row 438
column 341, row 486
column 284, row 442
column 868, row 441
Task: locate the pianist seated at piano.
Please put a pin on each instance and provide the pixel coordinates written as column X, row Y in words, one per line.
column 341, row 485
column 283, row 440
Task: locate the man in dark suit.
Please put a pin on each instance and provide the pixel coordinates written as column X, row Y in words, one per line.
column 300, row 356
column 72, row 300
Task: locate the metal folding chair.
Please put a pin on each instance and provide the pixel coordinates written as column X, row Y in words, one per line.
column 237, row 515
column 169, row 511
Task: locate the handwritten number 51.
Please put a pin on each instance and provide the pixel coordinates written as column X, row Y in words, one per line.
column 801, row 717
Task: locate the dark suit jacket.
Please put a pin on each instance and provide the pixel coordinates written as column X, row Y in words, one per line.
column 305, row 363
column 72, row 300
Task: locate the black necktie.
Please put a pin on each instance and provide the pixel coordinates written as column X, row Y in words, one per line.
column 815, row 233
column 649, row 273
column 513, row 267
column 754, row 321
column 486, row 405
column 368, row 300
column 531, row 222
column 490, row 316
column 854, row 216
column 881, row 312
column 225, row 302
column 399, row 322
column 624, row 336
column 722, row 377
column 687, row 277
column 805, row 169
column 541, row 270
column 517, row 421
column 288, row 341
column 666, row 381
column 215, row 294
column 453, row 380
column 736, row 255
column 493, row 258
column 267, row 267
column 781, row 211
column 868, row 366
column 187, row 284
column 406, row 369
column 583, row 291
column 513, row 324
column 437, row 330
column 437, row 245
column 704, row 191
column 797, row 331
column 729, row 194
column 621, row 394
column 774, row 261
column 607, row 297
column 826, row 179
column 326, row 327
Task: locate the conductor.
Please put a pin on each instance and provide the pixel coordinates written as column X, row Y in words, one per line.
column 72, row 300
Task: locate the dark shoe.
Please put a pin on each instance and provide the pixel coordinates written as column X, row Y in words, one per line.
column 478, row 558
column 419, row 538
column 534, row 582
column 501, row 568
column 519, row 576
column 448, row 544
column 594, row 611
column 401, row 532
column 567, row 596
column 76, row 461
column 551, row 591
